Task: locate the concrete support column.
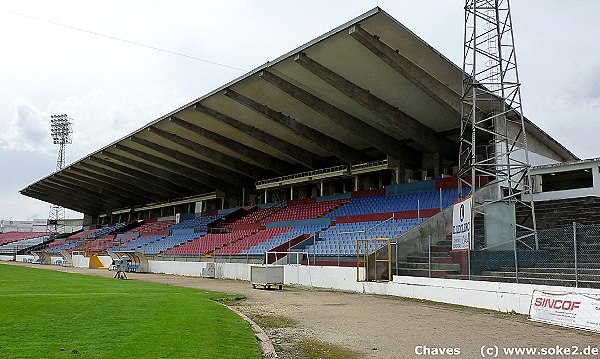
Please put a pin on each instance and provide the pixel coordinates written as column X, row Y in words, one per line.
column 437, row 165
column 322, row 187
column 266, row 193
column 595, row 179
column 291, row 193
column 356, row 183
column 408, row 174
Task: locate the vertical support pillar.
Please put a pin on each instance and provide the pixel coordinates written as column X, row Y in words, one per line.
column 266, row 195
column 429, row 254
column 356, row 183
column 322, row 187
column 437, row 165
column 575, row 254
column 291, row 192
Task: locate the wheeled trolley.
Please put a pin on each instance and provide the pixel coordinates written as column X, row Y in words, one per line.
column 267, row 276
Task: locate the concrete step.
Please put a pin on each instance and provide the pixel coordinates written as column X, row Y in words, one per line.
column 551, row 270
column 436, row 266
column 420, row 259
column 445, row 242
column 440, row 249
column 544, row 276
column 523, row 280
column 435, row 254
column 567, row 265
column 483, row 278
column 425, row 273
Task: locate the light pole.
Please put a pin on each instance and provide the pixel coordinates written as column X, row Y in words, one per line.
column 61, row 130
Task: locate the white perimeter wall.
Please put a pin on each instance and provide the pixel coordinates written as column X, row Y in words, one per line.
column 81, row 261
column 105, row 260
column 503, row 297
column 238, row 271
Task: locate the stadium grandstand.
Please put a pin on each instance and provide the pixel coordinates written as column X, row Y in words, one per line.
column 308, row 153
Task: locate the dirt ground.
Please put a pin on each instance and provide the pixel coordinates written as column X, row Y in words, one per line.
column 376, row 326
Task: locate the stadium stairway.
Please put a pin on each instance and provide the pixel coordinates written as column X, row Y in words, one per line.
column 557, row 274
column 443, row 262
column 548, row 267
column 581, row 210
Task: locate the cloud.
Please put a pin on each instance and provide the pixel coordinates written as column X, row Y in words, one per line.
column 101, row 117
column 586, row 88
column 28, row 130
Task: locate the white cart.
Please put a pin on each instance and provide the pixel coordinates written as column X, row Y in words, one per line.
column 267, row 276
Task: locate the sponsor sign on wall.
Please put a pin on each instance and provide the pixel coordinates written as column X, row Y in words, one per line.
column 461, row 224
column 573, row 310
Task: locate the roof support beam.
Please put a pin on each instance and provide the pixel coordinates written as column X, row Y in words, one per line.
column 72, row 188
column 99, row 185
column 405, row 124
column 160, row 193
column 294, row 152
column 150, row 196
column 167, row 175
column 331, row 145
column 72, row 194
column 262, row 159
column 42, row 196
column 231, row 162
column 144, row 176
column 182, row 170
column 431, row 86
column 50, row 195
column 378, row 139
column 207, row 167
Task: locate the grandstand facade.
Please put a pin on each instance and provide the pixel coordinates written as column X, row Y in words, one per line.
column 310, row 123
column 351, row 136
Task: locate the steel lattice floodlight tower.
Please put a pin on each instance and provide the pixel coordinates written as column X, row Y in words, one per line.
column 493, row 138
column 61, row 130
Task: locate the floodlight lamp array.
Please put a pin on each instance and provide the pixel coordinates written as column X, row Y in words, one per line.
column 61, row 129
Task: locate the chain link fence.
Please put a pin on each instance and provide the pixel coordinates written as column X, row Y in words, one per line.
column 565, row 256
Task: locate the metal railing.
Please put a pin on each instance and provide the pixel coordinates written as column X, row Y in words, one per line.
column 302, row 174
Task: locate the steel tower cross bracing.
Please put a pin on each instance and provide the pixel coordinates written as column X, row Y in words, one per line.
column 61, row 130
column 493, row 137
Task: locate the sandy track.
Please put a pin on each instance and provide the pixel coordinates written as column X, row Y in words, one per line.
column 380, row 327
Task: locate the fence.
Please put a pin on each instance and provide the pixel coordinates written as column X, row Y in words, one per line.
column 566, row 256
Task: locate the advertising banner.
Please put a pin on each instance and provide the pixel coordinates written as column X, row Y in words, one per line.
column 573, row 310
column 461, row 224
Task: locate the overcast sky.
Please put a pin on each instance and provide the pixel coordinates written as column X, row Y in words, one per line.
column 111, row 88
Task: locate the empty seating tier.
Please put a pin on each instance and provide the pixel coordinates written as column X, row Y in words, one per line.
column 17, row 236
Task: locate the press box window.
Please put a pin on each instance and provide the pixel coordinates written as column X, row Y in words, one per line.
column 561, row 181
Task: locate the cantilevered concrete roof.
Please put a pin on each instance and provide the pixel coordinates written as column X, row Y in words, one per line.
column 367, row 90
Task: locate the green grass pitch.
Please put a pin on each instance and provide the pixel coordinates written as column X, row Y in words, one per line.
column 47, row 314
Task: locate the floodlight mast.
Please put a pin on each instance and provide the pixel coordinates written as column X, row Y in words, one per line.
column 493, row 138
column 61, row 130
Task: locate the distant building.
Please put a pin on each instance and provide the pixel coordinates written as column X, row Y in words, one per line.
column 36, row 225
